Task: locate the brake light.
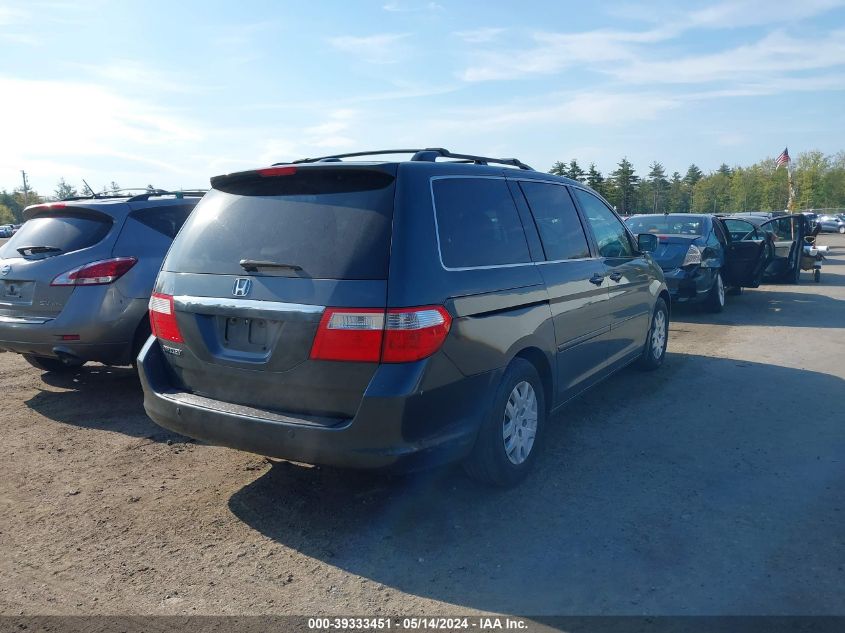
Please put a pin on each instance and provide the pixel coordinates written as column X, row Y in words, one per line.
column 163, row 318
column 411, row 335
column 269, row 172
column 693, row 256
column 373, row 335
column 96, row 273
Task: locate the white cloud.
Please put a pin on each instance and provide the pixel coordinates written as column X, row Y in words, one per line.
column 384, row 48
column 405, row 7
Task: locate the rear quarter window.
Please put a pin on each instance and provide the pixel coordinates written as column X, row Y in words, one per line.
column 166, row 220
column 478, row 223
column 67, row 233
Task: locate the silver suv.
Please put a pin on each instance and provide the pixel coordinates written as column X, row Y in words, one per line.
column 75, row 280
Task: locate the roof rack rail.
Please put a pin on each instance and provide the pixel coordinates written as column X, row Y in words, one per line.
column 162, row 192
column 429, row 154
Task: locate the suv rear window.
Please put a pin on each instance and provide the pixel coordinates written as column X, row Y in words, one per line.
column 477, row 223
column 65, row 232
column 333, row 223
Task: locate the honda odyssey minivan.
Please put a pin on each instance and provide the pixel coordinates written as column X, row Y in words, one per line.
column 396, row 313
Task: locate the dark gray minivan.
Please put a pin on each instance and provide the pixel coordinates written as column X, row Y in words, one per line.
column 403, row 313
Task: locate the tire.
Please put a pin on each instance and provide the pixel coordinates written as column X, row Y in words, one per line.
column 734, row 291
column 842, row 230
column 141, row 335
column 491, row 462
column 715, row 301
column 53, row 365
column 657, row 341
column 817, row 275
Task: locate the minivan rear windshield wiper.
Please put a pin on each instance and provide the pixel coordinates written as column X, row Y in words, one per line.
column 38, row 250
column 252, row 265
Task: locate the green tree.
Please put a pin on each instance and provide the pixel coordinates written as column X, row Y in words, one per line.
column 659, row 186
column 678, row 201
column 64, row 190
column 595, row 180
column 624, row 180
column 575, row 172
column 6, row 215
column 558, row 169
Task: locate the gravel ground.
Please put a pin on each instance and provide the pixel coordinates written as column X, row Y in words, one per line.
column 713, row 486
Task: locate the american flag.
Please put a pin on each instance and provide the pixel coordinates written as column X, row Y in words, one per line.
column 783, row 159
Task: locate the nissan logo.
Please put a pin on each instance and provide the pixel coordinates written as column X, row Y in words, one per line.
column 5, row 270
column 242, row 287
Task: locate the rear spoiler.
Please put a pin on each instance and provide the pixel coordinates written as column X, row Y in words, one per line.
column 62, row 208
column 307, row 179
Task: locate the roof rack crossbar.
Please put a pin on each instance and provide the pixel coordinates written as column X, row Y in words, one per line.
column 162, row 192
column 428, row 154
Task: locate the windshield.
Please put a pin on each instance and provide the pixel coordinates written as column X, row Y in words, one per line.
column 667, row 224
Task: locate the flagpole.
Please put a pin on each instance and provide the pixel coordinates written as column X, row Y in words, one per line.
column 790, row 205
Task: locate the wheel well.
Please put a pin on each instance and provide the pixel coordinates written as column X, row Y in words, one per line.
column 664, row 294
column 141, row 333
column 541, row 364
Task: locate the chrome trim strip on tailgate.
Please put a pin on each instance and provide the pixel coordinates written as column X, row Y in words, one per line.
column 24, row 320
column 237, row 307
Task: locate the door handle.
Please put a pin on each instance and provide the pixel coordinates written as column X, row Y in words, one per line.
column 597, row 279
column 615, row 276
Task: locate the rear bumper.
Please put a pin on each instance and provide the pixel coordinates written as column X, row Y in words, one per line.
column 104, row 335
column 688, row 286
column 397, row 425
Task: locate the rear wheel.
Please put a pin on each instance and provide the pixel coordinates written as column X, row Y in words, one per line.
column 716, row 297
column 507, row 441
column 658, row 338
column 842, row 229
column 817, row 275
column 54, row 365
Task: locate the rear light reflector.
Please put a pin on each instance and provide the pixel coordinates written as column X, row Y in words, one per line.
column 69, row 337
column 373, row 335
column 96, row 273
column 351, row 335
column 163, row 318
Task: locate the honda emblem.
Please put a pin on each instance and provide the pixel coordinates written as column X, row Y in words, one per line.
column 242, row 287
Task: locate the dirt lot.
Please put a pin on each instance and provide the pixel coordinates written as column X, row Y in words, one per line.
column 713, row 486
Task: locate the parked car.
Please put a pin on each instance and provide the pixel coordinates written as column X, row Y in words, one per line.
column 787, row 235
column 832, row 223
column 75, row 281
column 701, row 258
column 6, row 230
column 396, row 314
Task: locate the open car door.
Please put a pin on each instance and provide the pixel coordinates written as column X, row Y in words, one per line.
column 746, row 255
column 788, row 233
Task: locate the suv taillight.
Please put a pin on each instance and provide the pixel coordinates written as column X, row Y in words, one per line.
column 373, row 335
column 96, row 273
column 163, row 318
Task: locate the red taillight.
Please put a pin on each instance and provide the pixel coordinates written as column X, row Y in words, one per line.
column 96, row 273
column 373, row 335
column 414, row 334
column 269, row 172
column 163, row 318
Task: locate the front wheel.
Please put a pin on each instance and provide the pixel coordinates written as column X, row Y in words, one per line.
column 54, row 365
column 508, row 439
column 842, row 229
column 716, row 297
column 658, row 338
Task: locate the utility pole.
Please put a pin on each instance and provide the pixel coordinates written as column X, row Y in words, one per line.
column 25, row 189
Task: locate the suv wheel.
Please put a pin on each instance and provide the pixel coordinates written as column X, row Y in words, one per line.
column 658, row 338
column 54, row 365
column 508, row 439
column 716, row 296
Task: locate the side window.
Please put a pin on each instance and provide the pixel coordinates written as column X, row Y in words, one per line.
column 719, row 233
column 477, row 223
column 610, row 234
column 712, row 240
column 781, row 228
column 740, row 230
column 166, row 220
column 557, row 221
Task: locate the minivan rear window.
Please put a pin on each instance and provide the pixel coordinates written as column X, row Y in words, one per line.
column 477, row 223
column 66, row 233
column 324, row 223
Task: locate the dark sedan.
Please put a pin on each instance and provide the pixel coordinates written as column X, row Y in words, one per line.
column 701, row 257
column 785, row 233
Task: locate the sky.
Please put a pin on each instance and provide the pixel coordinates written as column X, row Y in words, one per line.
column 172, row 93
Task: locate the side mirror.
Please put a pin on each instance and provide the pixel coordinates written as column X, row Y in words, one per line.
column 647, row 242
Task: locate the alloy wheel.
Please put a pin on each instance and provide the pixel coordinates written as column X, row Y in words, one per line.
column 519, row 424
column 658, row 334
